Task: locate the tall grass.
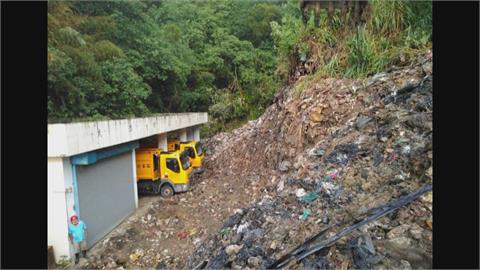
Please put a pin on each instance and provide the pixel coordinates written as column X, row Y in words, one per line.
column 389, row 16
column 395, row 31
column 361, row 56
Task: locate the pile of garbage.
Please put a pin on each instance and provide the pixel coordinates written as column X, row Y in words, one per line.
column 328, row 156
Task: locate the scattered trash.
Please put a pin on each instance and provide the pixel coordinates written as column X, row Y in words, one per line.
column 300, row 192
column 362, row 121
column 310, row 197
column 354, row 149
column 242, row 227
column 343, row 153
column 136, row 255
column 314, row 152
column 328, row 187
column 375, row 214
column 305, row 214
column 182, row 234
column 284, row 166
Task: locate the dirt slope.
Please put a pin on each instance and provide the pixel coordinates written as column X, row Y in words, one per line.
column 352, row 144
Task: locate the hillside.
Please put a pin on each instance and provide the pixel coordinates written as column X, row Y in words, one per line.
column 356, row 144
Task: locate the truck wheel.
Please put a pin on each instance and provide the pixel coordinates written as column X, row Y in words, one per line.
column 166, row 191
column 156, row 187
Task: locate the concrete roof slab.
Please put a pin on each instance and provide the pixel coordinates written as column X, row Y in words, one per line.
column 75, row 138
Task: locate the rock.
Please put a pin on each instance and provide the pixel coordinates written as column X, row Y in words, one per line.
column 316, row 115
column 284, row 166
column 377, row 159
column 254, row 261
column 429, row 172
column 300, row 192
column 429, row 224
column 273, row 245
column 252, row 235
column 378, row 77
column 233, row 249
column 362, row 251
column 364, row 174
column 399, row 231
column 122, row 258
column 362, row 121
column 427, row 68
column 236, row 266
column 416, row 231
column 405, row 265
column 428, row 198
column 236, row 238
column 401, row 243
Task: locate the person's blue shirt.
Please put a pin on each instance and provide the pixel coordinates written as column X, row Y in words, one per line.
column 77, row 231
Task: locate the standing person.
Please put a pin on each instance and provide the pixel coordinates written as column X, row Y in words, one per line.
column 77, row 233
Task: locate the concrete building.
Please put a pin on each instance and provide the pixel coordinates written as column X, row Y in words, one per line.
column 91, row 171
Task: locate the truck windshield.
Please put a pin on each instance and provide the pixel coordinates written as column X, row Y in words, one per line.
column 199, row 147
column 185, row 160
column 190, row 152
column 172, row 164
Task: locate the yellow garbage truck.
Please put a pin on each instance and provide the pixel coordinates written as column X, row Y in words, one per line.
column 194, row 150
column 164, row 173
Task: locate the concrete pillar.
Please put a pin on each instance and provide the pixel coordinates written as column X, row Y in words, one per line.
column 162, row 141
column 182, row 135
column 57, row 219
column 196, row 133
column 189, row 134
column 135, row 189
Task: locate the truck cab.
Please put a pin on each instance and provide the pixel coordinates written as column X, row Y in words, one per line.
column 164, row 173
column 194, row 150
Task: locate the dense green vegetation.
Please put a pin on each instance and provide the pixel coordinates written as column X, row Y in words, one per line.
column 135, row 58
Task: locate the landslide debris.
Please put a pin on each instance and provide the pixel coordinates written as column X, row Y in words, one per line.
column 344, row 146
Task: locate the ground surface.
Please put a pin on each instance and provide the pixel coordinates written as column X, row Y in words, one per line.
column 164, row 232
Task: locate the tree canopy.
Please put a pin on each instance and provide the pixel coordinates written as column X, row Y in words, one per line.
column 120, row 59
column 132, row 58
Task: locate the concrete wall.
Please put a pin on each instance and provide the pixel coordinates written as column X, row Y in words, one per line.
column 75, row 138
column 57, row 208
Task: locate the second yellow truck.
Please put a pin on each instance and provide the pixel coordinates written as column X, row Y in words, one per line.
column 163, row 173
column 194, row 150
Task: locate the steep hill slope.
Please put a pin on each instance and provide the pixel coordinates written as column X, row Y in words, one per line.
column 350, row 145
